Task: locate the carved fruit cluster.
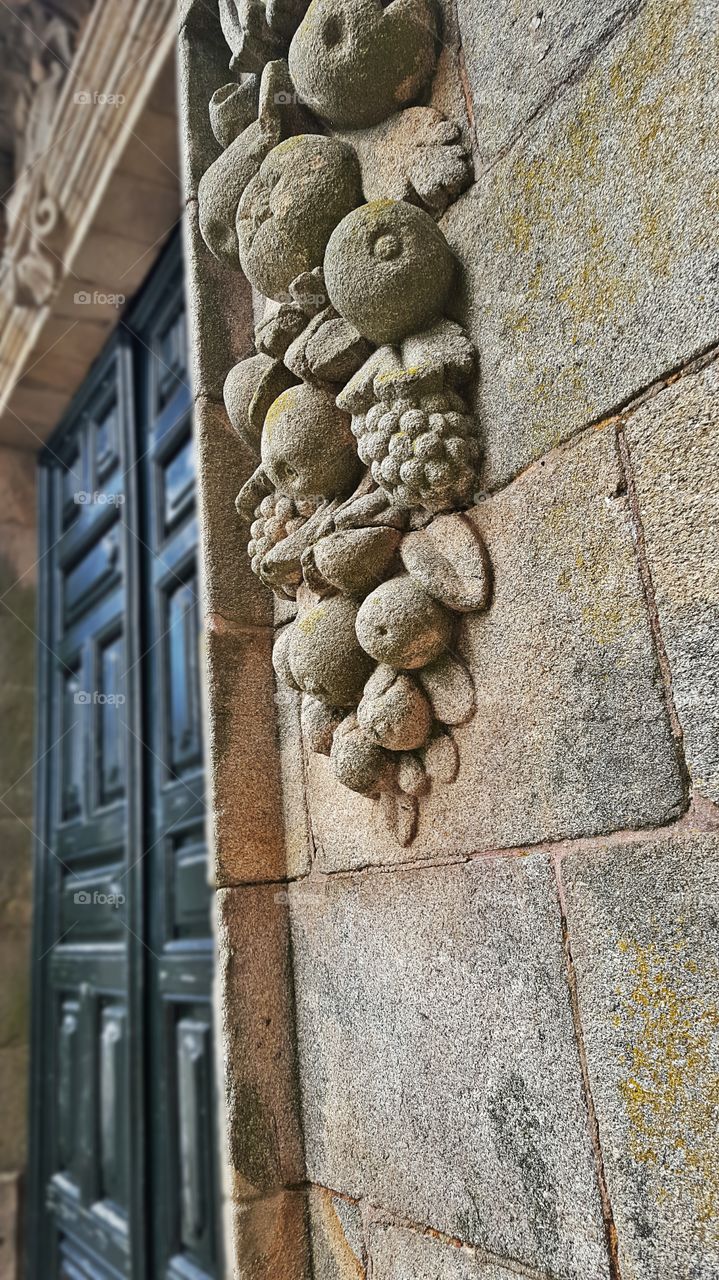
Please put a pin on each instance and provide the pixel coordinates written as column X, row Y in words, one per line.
column 353, row 405
column 276, row 517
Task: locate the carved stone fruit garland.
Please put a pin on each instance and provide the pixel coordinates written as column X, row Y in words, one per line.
column 355, row 401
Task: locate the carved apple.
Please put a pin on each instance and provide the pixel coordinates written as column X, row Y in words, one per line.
column 399, row 624
column 388, row 270
column 355, row 62
column 289, row 210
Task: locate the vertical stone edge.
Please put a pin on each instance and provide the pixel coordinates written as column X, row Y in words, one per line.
column 264, row 1211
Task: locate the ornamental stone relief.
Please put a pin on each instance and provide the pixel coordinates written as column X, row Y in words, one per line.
column 327, row 194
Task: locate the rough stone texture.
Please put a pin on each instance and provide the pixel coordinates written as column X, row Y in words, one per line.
column 9, row 1226
column 255, row 978
column 400, row 1254
column 220, row 333
column 202, row 65
column 590, row 249
column 388, row 270
column 336, row 1233
column 15, row 969
column 230, row 588
column 644, row 931
column 518, row 54
column 18, row 561
column 674, row 450
column 14, row 1065
column 304, row 187
column 248, row 839
column 571, row 735
column 438, row 1067
column 270, row 1238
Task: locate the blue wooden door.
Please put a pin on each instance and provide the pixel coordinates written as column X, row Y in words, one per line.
column 123, row 1176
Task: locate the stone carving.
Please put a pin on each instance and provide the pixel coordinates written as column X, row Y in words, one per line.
column 48, row 34
column 355, row 405
column 46, row 40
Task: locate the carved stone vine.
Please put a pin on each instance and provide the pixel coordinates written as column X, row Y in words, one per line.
column 327, row 194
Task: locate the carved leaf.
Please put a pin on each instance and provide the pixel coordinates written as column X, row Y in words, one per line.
column 400, row 814
column 450, row 689
column 441, row 758
column 450, row 561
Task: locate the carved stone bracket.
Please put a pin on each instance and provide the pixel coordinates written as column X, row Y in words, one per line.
column 355, row 405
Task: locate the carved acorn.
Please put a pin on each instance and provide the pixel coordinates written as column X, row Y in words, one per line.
column 399, row 624
column 394, row 712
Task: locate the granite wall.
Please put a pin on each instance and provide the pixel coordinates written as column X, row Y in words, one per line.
column 495, row 1052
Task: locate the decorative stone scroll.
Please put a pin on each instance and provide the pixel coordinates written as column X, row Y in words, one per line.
column 46, row 35
column 355, row 403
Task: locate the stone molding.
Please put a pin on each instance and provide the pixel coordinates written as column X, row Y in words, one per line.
column 78, row 122
column 327, row 194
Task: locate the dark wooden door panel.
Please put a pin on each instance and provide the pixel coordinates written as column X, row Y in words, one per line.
column 124, row 1166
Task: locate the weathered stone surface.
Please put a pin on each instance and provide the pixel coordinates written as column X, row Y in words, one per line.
column 438, row 1067
column 674, row 449
column 644, row 931
column 15, row 873
column 220, row 334
column 388, row 270
column 270, row 1238
column 518, row 54
column 304, row 187
column 230, row 588
column 400, row 1254
column 248, row 838
column 255, row 986
column 13, row 1091
column 337, row 1237
column 9, row 1225
column 202, row 61
column 15, row 968
column 571, row 735
column 354, row 63
column 589, row 249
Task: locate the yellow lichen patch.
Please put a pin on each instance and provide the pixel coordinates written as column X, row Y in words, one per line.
column 670, row 1089
column 307, row 623
column 284, row 403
